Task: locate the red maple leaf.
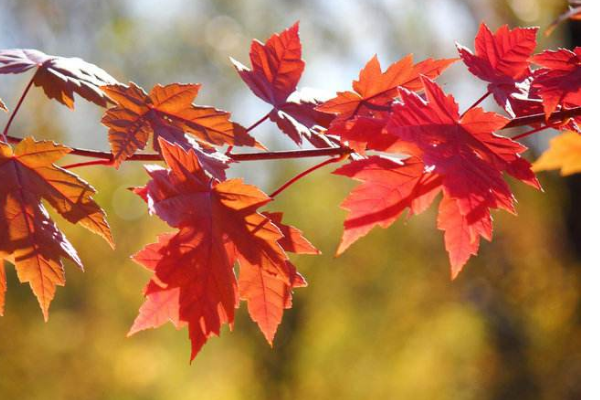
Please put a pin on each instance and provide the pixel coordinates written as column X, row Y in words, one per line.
column 277, row 67
column 363, row 133
column 460, row 155
column 502, row 59
column 299, row 119
column 388, row 187
column 375, row 90
column 268, row 295
column 218, row 223
column 558, row 82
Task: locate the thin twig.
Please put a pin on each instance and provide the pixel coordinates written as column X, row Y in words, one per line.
column 531, row 132
column 303, row 174
column 257, row 123
column 254, row 125
column 482, row 98
column 89, row 164
column 292, row 154
column 16, row 110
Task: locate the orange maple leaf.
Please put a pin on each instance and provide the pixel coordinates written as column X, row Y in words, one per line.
column 375, row 88
column 28, row 237
column 166, row 110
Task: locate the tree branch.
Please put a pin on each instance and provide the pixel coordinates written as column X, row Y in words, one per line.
column 328, row 152
column 260, row 156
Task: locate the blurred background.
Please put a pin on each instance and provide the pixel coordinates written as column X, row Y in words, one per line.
column 383, row 321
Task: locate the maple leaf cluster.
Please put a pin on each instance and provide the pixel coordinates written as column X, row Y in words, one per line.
column 218, row 220
column 408, row 144
column 504, row 59
column 403, row 112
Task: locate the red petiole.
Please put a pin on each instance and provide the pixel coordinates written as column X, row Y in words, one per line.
column 304, row 173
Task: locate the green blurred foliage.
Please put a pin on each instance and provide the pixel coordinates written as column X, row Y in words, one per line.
column 383, row 321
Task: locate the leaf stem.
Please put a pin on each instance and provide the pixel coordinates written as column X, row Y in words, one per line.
column 482, row 98
column 531, row 132
column 16, row 110
column 89, row 163
column 304, row 173
column 254, row 125
column 257, row 123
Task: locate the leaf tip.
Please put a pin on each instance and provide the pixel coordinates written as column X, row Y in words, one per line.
column 260, row 146
column 132, row 331
column 340, row 249
column 45, row 313
column 456, row 268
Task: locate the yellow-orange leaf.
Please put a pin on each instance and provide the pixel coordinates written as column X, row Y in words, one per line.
column 564, row 153
column 2, row 287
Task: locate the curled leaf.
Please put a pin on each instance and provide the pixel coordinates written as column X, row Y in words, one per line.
column 60, row 77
